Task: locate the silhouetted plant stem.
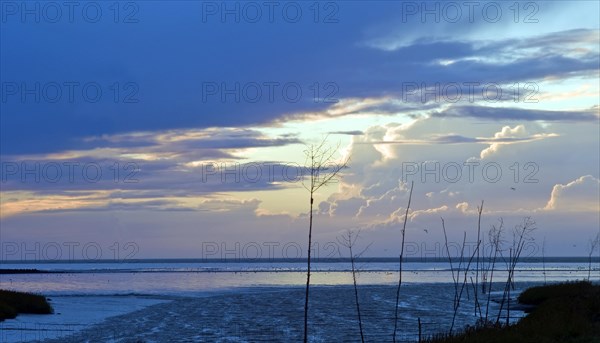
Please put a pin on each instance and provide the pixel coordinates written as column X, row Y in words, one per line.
column 508, row 298
column 306, row 296
column 458, row 292
column 494, row 237
column 400, row 267
column 544, row 259
column 477, row 306
column 362, row 336
column 318, row 160
column 349, row 241
column 522, row 233
column 593, row 245
column 454, row 280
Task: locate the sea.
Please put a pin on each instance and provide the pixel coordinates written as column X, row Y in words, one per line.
column 262, row 300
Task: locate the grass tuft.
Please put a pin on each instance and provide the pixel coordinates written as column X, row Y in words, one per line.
column 13, row 303
column 565, row 312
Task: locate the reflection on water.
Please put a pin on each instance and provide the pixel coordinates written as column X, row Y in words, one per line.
column 195, row 278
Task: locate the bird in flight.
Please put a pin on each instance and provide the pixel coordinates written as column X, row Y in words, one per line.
column 513, row 188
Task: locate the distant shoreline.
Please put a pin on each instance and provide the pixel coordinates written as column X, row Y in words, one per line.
column 549, row 259
column 23, row 271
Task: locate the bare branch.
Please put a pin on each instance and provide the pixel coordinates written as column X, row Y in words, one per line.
column 317, row 159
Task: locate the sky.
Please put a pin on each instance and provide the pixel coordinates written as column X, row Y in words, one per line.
column 154, row 129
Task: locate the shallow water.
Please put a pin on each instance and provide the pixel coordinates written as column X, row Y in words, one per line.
column 275, row 314
column 71, row 314
column 194, row 301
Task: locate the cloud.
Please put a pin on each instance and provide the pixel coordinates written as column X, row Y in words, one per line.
column 503, row 113
column 507, row 134
column 526, row 158
column 341, row 76
column 499, row 139
column 355, row 75
column 349, row 133
column 580, row 195
column 179, row 163
column 212, row 142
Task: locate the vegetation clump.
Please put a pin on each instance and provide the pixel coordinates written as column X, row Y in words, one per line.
column 13, row 303
column 566, row 312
